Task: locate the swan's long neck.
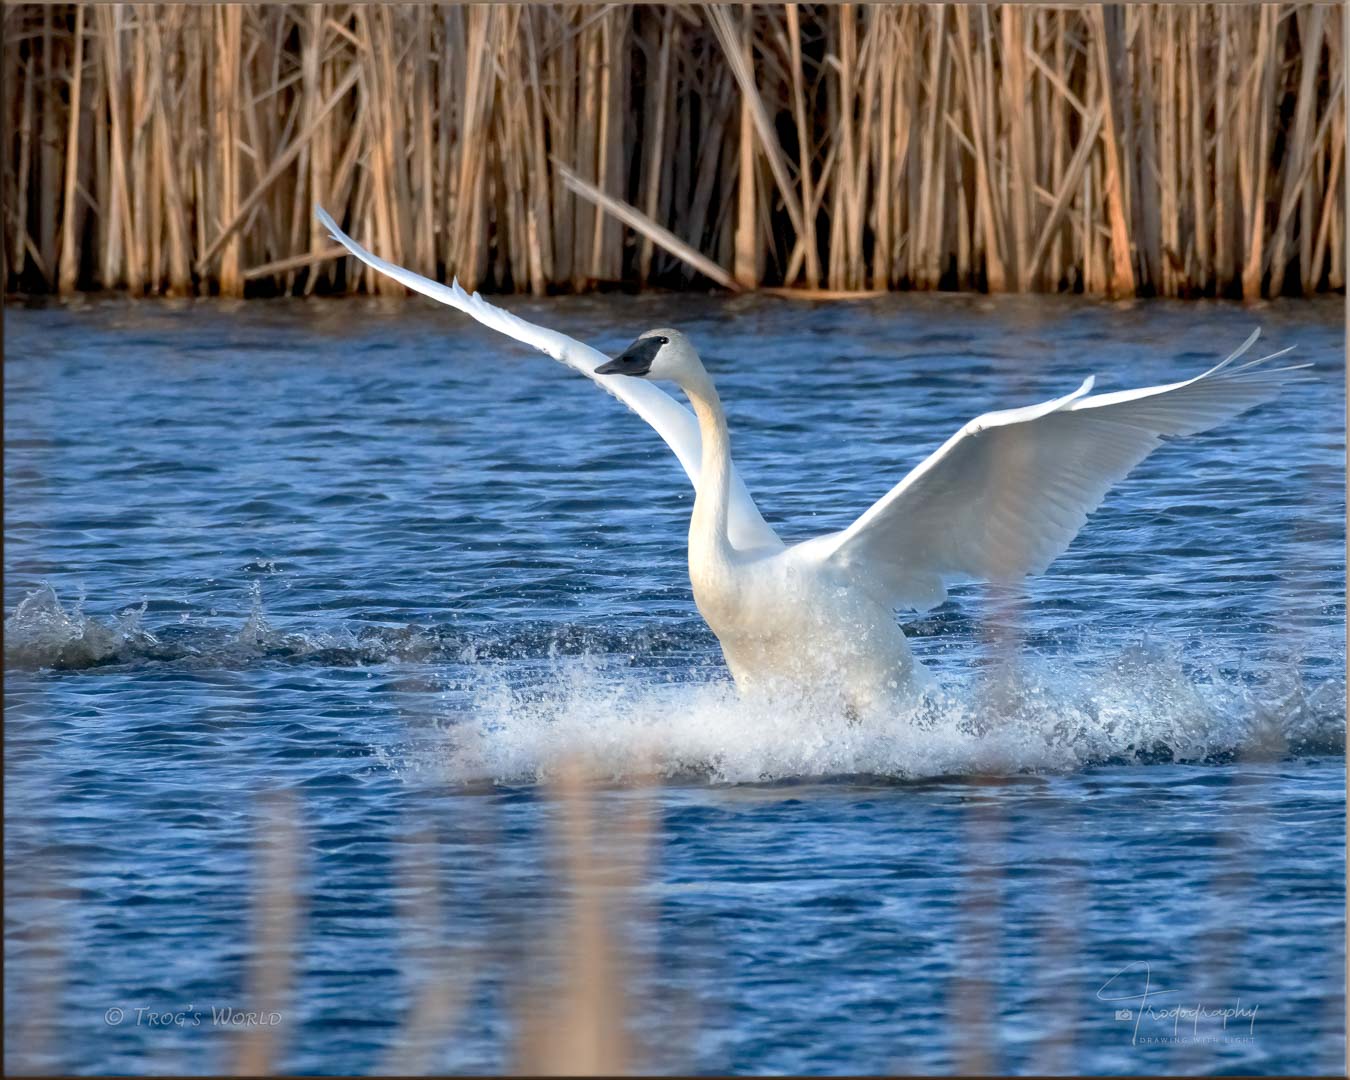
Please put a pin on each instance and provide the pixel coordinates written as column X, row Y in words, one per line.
column 708, row 540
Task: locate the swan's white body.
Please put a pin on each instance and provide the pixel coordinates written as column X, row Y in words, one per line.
column 787, row 618
column 1002, row 498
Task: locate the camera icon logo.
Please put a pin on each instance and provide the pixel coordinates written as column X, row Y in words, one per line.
column 1124, row 1014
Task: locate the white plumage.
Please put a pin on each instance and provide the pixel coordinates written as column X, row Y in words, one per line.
column 1002, row 498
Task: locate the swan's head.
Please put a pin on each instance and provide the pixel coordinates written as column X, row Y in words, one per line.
column 657, row 354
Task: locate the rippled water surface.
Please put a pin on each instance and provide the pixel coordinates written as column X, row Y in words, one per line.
column 364, row 568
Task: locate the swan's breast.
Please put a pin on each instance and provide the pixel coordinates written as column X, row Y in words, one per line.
column 783, row 617
column 759, row 595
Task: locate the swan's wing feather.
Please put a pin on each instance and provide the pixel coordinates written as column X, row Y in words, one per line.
column 671, row 420
column 1006, row 494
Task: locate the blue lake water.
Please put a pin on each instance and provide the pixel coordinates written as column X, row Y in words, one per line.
column 369, row 560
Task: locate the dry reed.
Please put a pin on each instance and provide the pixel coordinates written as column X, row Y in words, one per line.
column 1110, row 150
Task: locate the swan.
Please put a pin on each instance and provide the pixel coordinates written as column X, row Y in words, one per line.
column 1000, row 499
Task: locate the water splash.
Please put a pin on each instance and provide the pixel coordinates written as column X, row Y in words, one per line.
column 42, row 632
column 1037, row 715
column 526, row 701
column 45, row 634
column 256, row 631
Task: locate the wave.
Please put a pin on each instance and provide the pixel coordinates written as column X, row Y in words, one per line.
column 46, row 634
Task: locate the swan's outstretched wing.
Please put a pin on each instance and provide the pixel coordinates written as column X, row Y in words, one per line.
column 672, row 421
column 1006, row 494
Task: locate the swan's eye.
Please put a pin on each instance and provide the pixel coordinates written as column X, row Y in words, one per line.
column 663, row 340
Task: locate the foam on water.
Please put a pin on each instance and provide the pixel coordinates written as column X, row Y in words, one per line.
column 1035, row 714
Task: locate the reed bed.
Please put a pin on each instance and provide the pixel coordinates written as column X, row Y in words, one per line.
column 1143, row 150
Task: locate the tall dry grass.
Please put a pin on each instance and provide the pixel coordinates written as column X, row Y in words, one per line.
column 1161, row 149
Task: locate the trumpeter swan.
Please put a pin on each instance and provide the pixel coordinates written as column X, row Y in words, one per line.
column 1000, row 499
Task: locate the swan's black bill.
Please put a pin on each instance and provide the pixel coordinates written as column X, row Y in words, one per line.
column 634, row 360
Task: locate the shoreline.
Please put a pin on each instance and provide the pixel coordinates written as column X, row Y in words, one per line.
column 16, row 300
